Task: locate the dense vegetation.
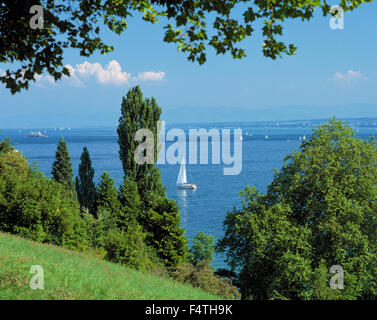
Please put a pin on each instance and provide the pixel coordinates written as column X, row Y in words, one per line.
column 320, row 210
column 137, row 225
column 35, row 207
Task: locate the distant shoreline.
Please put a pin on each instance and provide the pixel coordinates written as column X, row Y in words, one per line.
column 311, row 123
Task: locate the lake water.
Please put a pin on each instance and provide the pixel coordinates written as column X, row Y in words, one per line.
column 202, row 209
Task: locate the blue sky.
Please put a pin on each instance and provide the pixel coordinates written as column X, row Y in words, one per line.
column 331, row 69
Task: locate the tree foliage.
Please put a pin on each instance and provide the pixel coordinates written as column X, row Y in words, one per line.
column 142, row 193
column 162, row 223
column 107, row 194
column 203, row 248
column 11, row 160
column 139, row 113
column 62, row 167
column 5, row 146
column 85, row 187
column 128, row 246
column 38, row 208
column 107, row 210
column 131, row 202
column 192, row 25
column 319, row 211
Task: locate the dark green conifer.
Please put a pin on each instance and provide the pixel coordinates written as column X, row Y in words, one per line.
column 131, row 202
column 85, row 187
column 62, row 167
column 107, row 196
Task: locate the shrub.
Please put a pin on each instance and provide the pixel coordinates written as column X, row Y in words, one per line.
column 161, row 221
column 202, row 276
column 38, row 208
column 5, row 146
column 128, row 247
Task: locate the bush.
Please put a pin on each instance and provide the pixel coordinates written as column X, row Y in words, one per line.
column 98, row 227
column 202, row 276
column 161, row 221
column 37, row 208
column 5, row 146
column 11, row 161
column 128, row 247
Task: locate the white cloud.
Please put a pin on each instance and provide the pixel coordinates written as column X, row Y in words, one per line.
column 43, row 81
column 348, row 77
column 112, row 73
column 151, row 76
column 73, row 78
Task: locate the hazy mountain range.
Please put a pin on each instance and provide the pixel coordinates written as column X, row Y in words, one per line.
column 190, row 115
column 234, row 114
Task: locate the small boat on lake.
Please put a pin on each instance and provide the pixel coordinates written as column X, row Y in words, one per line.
column 36, row 135
column 182, row 178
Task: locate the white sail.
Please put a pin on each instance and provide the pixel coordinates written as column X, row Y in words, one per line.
column 182, row 178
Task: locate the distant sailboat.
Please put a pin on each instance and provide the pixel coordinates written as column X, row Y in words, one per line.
column 182, row 178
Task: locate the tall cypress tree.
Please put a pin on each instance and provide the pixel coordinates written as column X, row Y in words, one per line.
column 158, row 215
column 85, row 187
column 62, row 167
column 139, row 113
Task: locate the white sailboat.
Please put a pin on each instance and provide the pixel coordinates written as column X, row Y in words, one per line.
column 182, row 178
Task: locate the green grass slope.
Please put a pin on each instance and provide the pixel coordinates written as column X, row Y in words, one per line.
column 73, row 275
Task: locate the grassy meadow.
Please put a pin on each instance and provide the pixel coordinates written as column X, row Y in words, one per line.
column 73, row 275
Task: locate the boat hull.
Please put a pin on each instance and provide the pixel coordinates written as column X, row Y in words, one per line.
column 30, row 136
column 187, row 186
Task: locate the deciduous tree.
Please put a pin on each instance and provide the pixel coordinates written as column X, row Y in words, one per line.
column 319, row 211
column 139, row 113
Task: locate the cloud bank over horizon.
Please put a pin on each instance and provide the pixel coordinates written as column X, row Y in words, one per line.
column 112, row 73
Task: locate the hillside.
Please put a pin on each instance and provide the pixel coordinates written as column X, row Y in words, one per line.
column 73, row 275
